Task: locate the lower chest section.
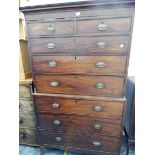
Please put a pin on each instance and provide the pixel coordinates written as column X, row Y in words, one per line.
column 79, row 124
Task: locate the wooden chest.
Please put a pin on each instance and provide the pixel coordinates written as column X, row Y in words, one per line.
column 80, row 53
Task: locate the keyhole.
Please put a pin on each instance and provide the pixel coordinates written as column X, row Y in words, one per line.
column 75, row 58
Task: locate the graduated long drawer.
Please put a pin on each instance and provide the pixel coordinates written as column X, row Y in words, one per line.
column 97, row 65
column 84, row 85
column 70, row 139
column 80, row 45
column 95, row 108
column 84, row 124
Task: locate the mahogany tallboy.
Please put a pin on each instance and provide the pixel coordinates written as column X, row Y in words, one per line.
column 79, row 53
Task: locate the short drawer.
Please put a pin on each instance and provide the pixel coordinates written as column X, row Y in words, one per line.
column 80, row 140
column 27, row 120
column 97, row 65
column 27, row 136
column 95, row 108
column 84, row 124
column 80, row 45
column 26, row 105
column 51, row 28
column 76, row 84
column 104, row 25
column 24, row 91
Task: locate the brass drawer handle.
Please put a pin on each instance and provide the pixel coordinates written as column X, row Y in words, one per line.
column 20, row 120
column 97, row 108
column 100, row 64
column 58, row 139
column 97, row 126
column 101, row 45
column 99, row 85
column 56, row 122
column 55, row 105
column 54, row 84
column 52, row 64
column 51, row 28
column 96, row 144
column 51, row 46
column 22, row 135
column 102, row 27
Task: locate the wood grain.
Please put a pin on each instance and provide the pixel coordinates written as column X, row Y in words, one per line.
column 114, row 65
column 76, row 92
column 61, row 28
column 84, row 124
column 85, row 85
column 80, row 140
column 85, row 12
column 114, row 25
column 80, row 45
column 110, row 109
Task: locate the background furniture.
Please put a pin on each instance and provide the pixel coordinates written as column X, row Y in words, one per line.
column 27, row 128
column 24, row 59
column 129, row 121
column 80, row 53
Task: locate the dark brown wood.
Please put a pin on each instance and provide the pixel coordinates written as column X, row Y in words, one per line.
column 80, row 45
column 76, row 53
column 85, row 85
column 84, row 26
column 60, row 27
column 114, row 25
column 79, row 140
column 84, row 124
column 80, row 5
column 114, row 65
column 110, row 109
column 79, row 97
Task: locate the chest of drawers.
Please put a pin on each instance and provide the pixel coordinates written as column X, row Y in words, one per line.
column 79, row 53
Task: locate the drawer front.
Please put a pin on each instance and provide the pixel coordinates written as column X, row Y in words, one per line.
column 27, row 136
column 97, row 65
column 26, row 120
column 51, row 28
column 80, row 140
column 25, row 106
column 104, row 26
column 89, row 12
column 84, row 124
column 80, row 45
column 85, row 85
column 24, row 91
column 97, row 108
